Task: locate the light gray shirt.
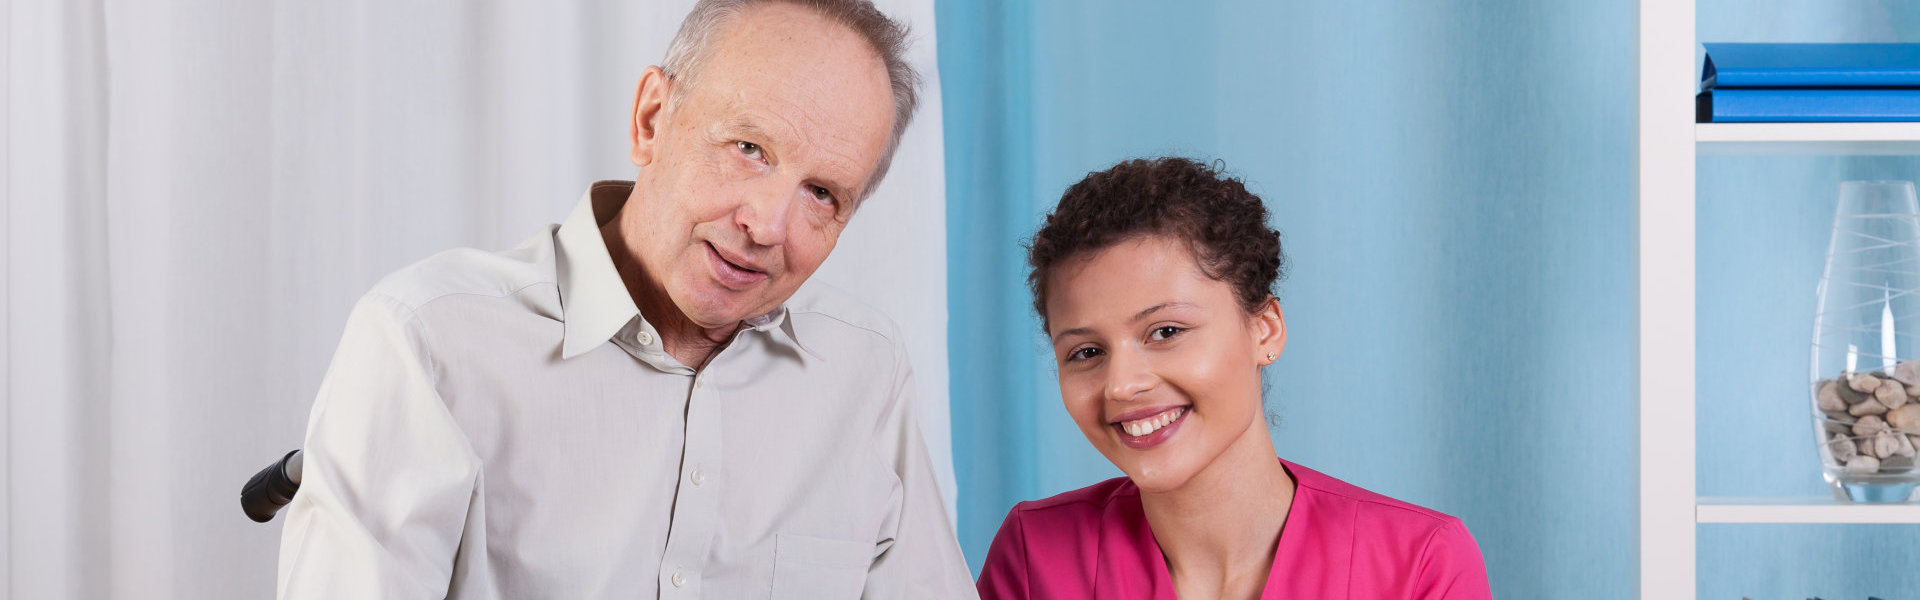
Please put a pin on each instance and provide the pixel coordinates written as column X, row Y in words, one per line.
column 507, row 425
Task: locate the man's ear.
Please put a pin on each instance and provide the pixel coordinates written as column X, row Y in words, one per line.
column 1270, row 332
column 649, row 112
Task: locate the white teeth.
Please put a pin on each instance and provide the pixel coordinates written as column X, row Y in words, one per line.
column 1153, row 423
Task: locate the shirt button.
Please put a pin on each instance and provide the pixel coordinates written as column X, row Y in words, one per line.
column 645, row 338
column 679, row 580
column 699, row 383
column 697, row 477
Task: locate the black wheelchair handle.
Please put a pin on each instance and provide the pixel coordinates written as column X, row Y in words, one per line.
column 271, row 488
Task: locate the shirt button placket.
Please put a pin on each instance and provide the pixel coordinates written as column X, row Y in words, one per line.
column 694, row 517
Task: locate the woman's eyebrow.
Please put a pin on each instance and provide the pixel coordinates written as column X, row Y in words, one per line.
column 1071, row 332
column 1137, row 317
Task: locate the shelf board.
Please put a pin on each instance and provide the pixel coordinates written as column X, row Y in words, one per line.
column 1802, row 510
column 1837, row 139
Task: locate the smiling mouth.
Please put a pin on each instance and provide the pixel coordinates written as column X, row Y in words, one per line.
column 1148, row 425
column 731, row 273
column 736, row 265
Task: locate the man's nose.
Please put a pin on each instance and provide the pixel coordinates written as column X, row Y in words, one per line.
column 765, row 214
column 1128, row 374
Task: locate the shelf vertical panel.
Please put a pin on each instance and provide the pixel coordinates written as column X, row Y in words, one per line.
column 1664, row 263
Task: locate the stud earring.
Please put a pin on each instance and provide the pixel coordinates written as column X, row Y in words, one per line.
column 1270, row 357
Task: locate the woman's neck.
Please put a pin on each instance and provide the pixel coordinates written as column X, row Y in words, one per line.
column 1220, row 530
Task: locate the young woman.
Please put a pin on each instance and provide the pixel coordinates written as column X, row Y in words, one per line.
column 1154, row 283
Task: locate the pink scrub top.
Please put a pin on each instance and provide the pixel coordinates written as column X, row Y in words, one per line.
column 1339, row 541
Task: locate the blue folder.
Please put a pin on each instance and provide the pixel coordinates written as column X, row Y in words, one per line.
column 1807, row 105
column 1811, row 65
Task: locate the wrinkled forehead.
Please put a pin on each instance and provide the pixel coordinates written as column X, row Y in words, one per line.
column 783, row 50
column 787, row 71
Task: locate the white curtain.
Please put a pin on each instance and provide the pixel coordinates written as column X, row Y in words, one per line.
column 197, row 190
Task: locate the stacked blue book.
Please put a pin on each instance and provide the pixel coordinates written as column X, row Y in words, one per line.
column 1809, row 83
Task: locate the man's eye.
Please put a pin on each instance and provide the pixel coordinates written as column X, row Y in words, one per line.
column 1165, row 332
column 750, row 149
column 822, row 194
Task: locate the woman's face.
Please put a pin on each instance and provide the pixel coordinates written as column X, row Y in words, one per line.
column 1159, row 364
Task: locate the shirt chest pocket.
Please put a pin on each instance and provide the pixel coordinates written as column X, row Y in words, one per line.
column 812, row 568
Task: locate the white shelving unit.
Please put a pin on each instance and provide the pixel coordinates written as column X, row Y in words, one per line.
column 1802, row 510
column 1849, row 139
column 1669, row 143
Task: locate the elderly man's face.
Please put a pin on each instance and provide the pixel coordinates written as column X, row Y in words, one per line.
column 750, row 176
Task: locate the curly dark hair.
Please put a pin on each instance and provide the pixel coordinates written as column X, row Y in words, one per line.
column 1224, row 224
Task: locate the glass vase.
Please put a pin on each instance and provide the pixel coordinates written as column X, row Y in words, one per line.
column 1866, row 364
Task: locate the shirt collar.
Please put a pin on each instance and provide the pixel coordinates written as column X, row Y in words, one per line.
column 781, row 321
column 594, row 302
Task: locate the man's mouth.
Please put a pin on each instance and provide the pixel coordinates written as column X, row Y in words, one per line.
column 733, row 272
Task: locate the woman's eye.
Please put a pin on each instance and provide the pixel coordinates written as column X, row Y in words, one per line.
column 1165, row 332
column 750, row 149
column 1083, row 354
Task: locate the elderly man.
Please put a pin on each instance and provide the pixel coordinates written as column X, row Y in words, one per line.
column 640, row 402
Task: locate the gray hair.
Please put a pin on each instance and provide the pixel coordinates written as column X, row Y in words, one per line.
column 690, row 47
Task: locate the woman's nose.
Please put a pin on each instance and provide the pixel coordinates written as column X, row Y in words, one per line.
column 1128, row 374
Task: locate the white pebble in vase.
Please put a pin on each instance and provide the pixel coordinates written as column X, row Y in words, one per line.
column 1907, row 372
column 1842, row 448
column 1863, row 383
column 1829, row 396
column 1868, row 407
column 1863, row 465
column 1869, row 425
column 1891, row 394
column 1886, row 444
column 1905, row 418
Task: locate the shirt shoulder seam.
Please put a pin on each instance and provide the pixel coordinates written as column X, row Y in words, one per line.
column 410, row 315
column 1439, row 518
column 1026, row 559
column 1426, row 548
column 842, row 320
column 415, row 307
column 410, row 318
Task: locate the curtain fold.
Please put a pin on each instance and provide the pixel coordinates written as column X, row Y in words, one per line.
column 198, row 190
column 57, row 327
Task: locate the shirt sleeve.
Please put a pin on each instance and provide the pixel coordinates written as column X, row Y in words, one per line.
column 1004, row 576
column 923, row 560
column 388, row 477
column 1451, row 567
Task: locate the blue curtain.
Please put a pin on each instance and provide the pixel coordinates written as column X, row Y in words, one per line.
column 1453, row 181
